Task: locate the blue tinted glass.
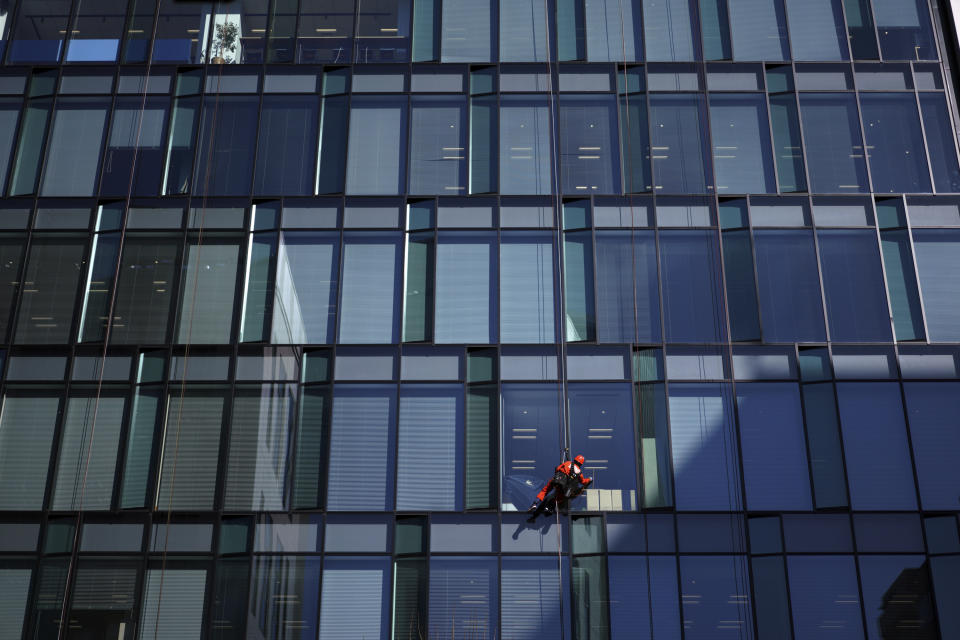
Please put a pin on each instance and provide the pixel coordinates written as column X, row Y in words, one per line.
column 464, row 597
column 613, row 30
column 933, row 409
column 823, row 436
column 834, row 147
column 785, row 124
column 774, row 450
column 945, row 572
column 430, row 448
column 825, row 597
column 716, row 597
column 525, row 145
column 758, row 30
column 705, row 462
column 892, row 127
column 527, row 265
column 532, row 438
column 287, row 146
column 376, row 151
column 938, row 267
column 902, row 284
column 904, row 29
column 635, row 144
column 438, row 137
column 741, row 143
column 619, row 253
column 669, row 30
column 39, row 31
column 816, row 30
column 466, row 276
column 531, row 605
column 354, row 590
column 589, row 149
column 875, row 444
column 467, row 31
column 602, row 430
column 227, row 130
column 304, row 308
column 362, row 441
column 644, row 607
column 770, row 594
column 369, row 286
column 523, row 31
column 853, row 286
column 741, row 290
column 692, row 291
column 714, row 25
column 679, row 147
column 896, row 595
column 943, row 156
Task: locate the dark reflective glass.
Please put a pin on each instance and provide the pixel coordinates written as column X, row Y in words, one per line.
column 286, row 146
column 898, row 163
column 853, row 286
column 758, row 30
column 831, row 129
column 628, row 308
column 943, row 155
column 932, row 407
column 679, row 147
column 716, row 597
column 904, row 30
column 897, row 597
column 825, row 597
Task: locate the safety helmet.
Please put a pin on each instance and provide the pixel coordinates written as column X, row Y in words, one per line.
column 579, row 460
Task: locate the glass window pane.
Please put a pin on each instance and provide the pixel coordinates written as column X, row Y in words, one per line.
column 825, row 597
column 613, row 30
column 618, row 303
column 354, row 590
column 208, row 290
column 179, row 31
column 430, row 448
column 774, row 448
column 938, row 267
column 787, row 147
column 740, row 287
column 692, row 291
column 73, row 152
column 527, row 265
column 226, row 146
column 770, row 594
column 26, row 436
column 136, row 470
column 635, row 144
column 383, row 31
column 940, row 146
column 313, row 433
column 892, row 128
column 363, row 432
column 789, row 287
column 741, row 143
column 853, row 286
column 258, row 450
column 26, row 165
column 88, row 453
column 644, row 607
column 135, row 144
column 145, row 289
column 11, row 261
column 438, row 140
column 863, row 39
column 679, row 146
column 705, row 459
column 466, row 32
column 14, row 590
column 581, row 320
column 902, row 284
column 191, row 448
column 716, row 597
column 483, row 144
column 50, row 290
column 96, row 32
column 531, row 440
column 466, row 275
column 897, row 596
column 875, row 445
column 180, row 148
column 294, row 582
column 453, row 583
column 369, row 288
column 305, row 293
column 904, row 30
column 418, row 287
column 758, row 30
column 333, row 131
column 589, row 162
column 834, row 148
column 172, row 606
column 375, row 157
column 602, row 428
column 523, row 31
column 933, row 408
column 669, row 30
column 285, row 150
column 39, row 31
column 533, row 603
column 525, row 133
column 9, row 115
column 816, row 30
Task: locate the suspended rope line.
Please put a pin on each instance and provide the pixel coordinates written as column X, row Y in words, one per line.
column 91, row 419
column 187, row 343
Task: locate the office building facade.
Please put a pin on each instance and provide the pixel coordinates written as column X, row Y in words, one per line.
column 303, row 300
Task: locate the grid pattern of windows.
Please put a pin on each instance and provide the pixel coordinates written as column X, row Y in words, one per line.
column 303, row 300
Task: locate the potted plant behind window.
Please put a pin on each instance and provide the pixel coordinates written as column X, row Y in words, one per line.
column 225, row 42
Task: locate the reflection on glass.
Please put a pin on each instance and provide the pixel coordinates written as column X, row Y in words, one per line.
column 96, row 32
column 669, row 30
column 532, row 435
column 191, row 448
column 304, row 307
column 49, row 290
column 27, row 424
column 39, row 31
column 368, row 310
column 897, row 597
column 643, row 600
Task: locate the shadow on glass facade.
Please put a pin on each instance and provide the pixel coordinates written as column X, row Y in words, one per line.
column 303, row 301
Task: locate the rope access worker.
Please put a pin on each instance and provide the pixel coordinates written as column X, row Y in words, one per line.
column 566, row 484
